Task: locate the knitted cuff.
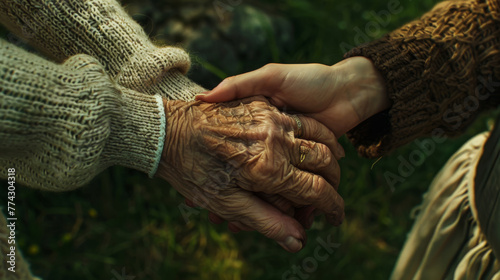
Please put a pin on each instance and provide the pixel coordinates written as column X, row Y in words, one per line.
column 136, row 121
column 440, row 72
column 145, row 68
column 160, row 71
column 176, row 86
column 63, row 124
column 411, row 111
column 137, row 132
column 101, row 29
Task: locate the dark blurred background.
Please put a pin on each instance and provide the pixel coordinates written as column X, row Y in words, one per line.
column 126, row 224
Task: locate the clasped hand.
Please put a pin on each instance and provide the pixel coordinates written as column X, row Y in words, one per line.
column 339, row 96
column 237, row 158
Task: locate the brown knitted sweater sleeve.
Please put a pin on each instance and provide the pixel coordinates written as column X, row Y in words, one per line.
column 102, row 29
column 440, row 71
column 60, row 125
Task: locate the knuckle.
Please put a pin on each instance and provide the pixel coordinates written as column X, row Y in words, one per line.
column 231, row 206
column 325, row 156
column 271, row 228
column 337, row 206
column 307, row 126
column 266, row 168
column 270, row 67
column 340, row 203
column 313, row 191
column 259, row 175
column 229, row 79
column 335, row 181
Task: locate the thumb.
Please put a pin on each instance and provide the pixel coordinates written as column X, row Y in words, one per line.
column 271, row 222
column 241, row 86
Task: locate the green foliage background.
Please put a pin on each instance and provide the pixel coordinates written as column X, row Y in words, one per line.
column 125, row 220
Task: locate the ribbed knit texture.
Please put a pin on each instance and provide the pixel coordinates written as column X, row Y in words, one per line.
column 102, row 29
column 435, row 70
column 60, row 125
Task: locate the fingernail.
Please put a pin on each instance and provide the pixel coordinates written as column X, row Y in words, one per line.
column 340, row 150
column 201, row 94
column 291, row 244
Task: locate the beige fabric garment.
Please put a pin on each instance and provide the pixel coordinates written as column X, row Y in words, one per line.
column 446, row 241
column 102, row 29
column 60, row 125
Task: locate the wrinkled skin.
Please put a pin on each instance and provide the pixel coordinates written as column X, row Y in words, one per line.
column 339, row 96
column 220, row 155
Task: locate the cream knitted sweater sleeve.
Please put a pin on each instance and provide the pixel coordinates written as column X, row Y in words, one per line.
column 102, row 29
column 60, row 125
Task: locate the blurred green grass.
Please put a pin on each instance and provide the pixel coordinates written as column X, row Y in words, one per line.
column 125, row 220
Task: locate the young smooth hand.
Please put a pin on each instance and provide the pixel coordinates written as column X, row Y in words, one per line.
column 339, row 96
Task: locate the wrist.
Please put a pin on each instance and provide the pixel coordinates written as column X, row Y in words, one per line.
column 175, row 133
column 171, row 109
column 364, row 86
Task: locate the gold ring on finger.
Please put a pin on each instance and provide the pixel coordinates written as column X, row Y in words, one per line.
column 300, row 127
column 303, row 151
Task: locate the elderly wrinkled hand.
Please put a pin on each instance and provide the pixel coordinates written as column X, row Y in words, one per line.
column 221, row 155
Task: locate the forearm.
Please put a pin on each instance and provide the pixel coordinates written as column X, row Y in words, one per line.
column 103, row 30
column 60, row 125
column 438, row 71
